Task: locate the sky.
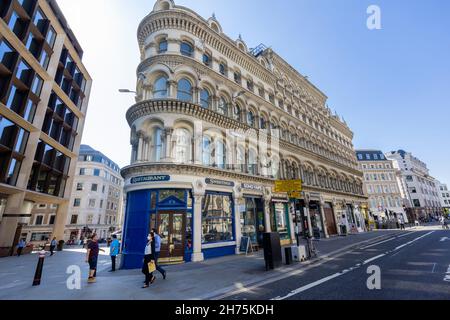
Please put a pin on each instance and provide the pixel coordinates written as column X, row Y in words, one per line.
column 391, row 85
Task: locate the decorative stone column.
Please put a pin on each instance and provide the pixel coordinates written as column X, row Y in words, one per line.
column 196, row 95
column 197, row 254
column 324, row 220
column 140, row 146
column 168, row 132
column 172, row 86
column 237, row 222
column 308, row 216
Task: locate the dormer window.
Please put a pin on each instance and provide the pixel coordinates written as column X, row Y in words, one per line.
column 223, row 69
column 237, row 77
column 162, row 47
column 250, row 85
column 207, row 59
column 186, row 49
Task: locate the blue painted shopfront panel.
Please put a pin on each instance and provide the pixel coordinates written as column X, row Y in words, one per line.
column 137, row 222
column 219, row 252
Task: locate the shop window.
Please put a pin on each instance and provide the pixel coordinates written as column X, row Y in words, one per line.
column 217, row 218
column 165, row 194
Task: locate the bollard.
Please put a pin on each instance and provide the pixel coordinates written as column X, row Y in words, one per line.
column 39, row 267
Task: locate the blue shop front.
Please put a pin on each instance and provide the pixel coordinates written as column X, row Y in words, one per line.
column 190, row 225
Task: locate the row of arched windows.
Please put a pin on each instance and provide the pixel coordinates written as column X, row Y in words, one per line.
column 185, row 93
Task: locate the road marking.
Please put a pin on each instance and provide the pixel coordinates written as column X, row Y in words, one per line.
column 374, row 258
column 309, row 286
column 444, row 239
column 404, row 235
column 434, row 267
column 375, row 244
column 412, row 241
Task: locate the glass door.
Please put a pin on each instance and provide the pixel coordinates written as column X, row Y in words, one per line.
column 171, row 226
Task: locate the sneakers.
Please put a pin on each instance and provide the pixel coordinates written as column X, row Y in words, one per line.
column 92, row 280
column 165, row 275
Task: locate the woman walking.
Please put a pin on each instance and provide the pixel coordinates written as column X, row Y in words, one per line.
column 149, row 261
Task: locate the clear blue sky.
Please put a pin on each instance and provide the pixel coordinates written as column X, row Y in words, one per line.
column 390, row 85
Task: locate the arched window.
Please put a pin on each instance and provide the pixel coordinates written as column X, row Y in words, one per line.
column 160, row 88
column 252, row 161
column 237, row 113
column 263, row 123
column 220, row 154
column 186, row 49
column 223, row 108
column 157, row 144
column 206, row 146
column 183, row 143
column 205, row 99
column 184, row 90
column 250, row 119
column 162, row 47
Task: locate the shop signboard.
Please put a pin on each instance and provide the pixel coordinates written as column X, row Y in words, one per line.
column 153, row 178
column 218, row 182
column 288, row 186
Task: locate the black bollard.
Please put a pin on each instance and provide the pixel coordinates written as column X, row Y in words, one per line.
column 39, row 267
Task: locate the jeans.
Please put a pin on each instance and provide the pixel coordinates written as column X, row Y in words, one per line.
column 160, row 269
column 52, row 248
column 113, row 263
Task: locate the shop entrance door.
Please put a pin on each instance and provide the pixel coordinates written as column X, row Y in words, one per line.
column 171, row 227
column 330, row 219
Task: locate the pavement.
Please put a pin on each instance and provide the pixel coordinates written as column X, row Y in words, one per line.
column 222, row 278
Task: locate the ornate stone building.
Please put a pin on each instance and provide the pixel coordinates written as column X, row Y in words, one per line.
column 214, row 125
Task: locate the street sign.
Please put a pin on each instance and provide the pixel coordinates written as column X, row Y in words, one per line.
column 288, row 186
column 295, row 195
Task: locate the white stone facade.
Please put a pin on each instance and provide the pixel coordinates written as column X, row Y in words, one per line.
column 421, row 188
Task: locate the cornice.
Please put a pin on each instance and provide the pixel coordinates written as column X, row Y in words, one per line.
column 201, row 171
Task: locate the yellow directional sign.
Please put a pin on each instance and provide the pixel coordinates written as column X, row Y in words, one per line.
column 295, row 195
column 288, row 186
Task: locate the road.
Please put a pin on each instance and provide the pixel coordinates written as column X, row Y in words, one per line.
column 412, row 265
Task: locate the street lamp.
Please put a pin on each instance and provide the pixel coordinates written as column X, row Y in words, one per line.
column 126, row 91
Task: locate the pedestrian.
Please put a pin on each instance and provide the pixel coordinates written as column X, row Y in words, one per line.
column 114, row 252
column 52, row 246
column 92, row 257
column 149, row 256
column 402, row 223
column 20, row 247
column 157, row 253
column 442, row 221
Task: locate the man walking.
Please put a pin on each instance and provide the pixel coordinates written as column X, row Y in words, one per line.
column 20, row 247
column 157, row 252
column 52, row 246
column 114, row 251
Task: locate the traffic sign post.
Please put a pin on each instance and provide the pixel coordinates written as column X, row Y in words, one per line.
column 294, row 190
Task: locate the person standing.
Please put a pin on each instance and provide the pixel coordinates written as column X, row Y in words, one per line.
column 157, row 253
column 92, row 257
column 20, row 247
column 52, row 246
column 114, row 252
column 149, row 255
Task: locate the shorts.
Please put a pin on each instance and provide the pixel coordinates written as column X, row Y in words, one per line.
column 93, row 263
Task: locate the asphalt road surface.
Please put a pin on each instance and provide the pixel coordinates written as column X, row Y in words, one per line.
column 412, row 265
